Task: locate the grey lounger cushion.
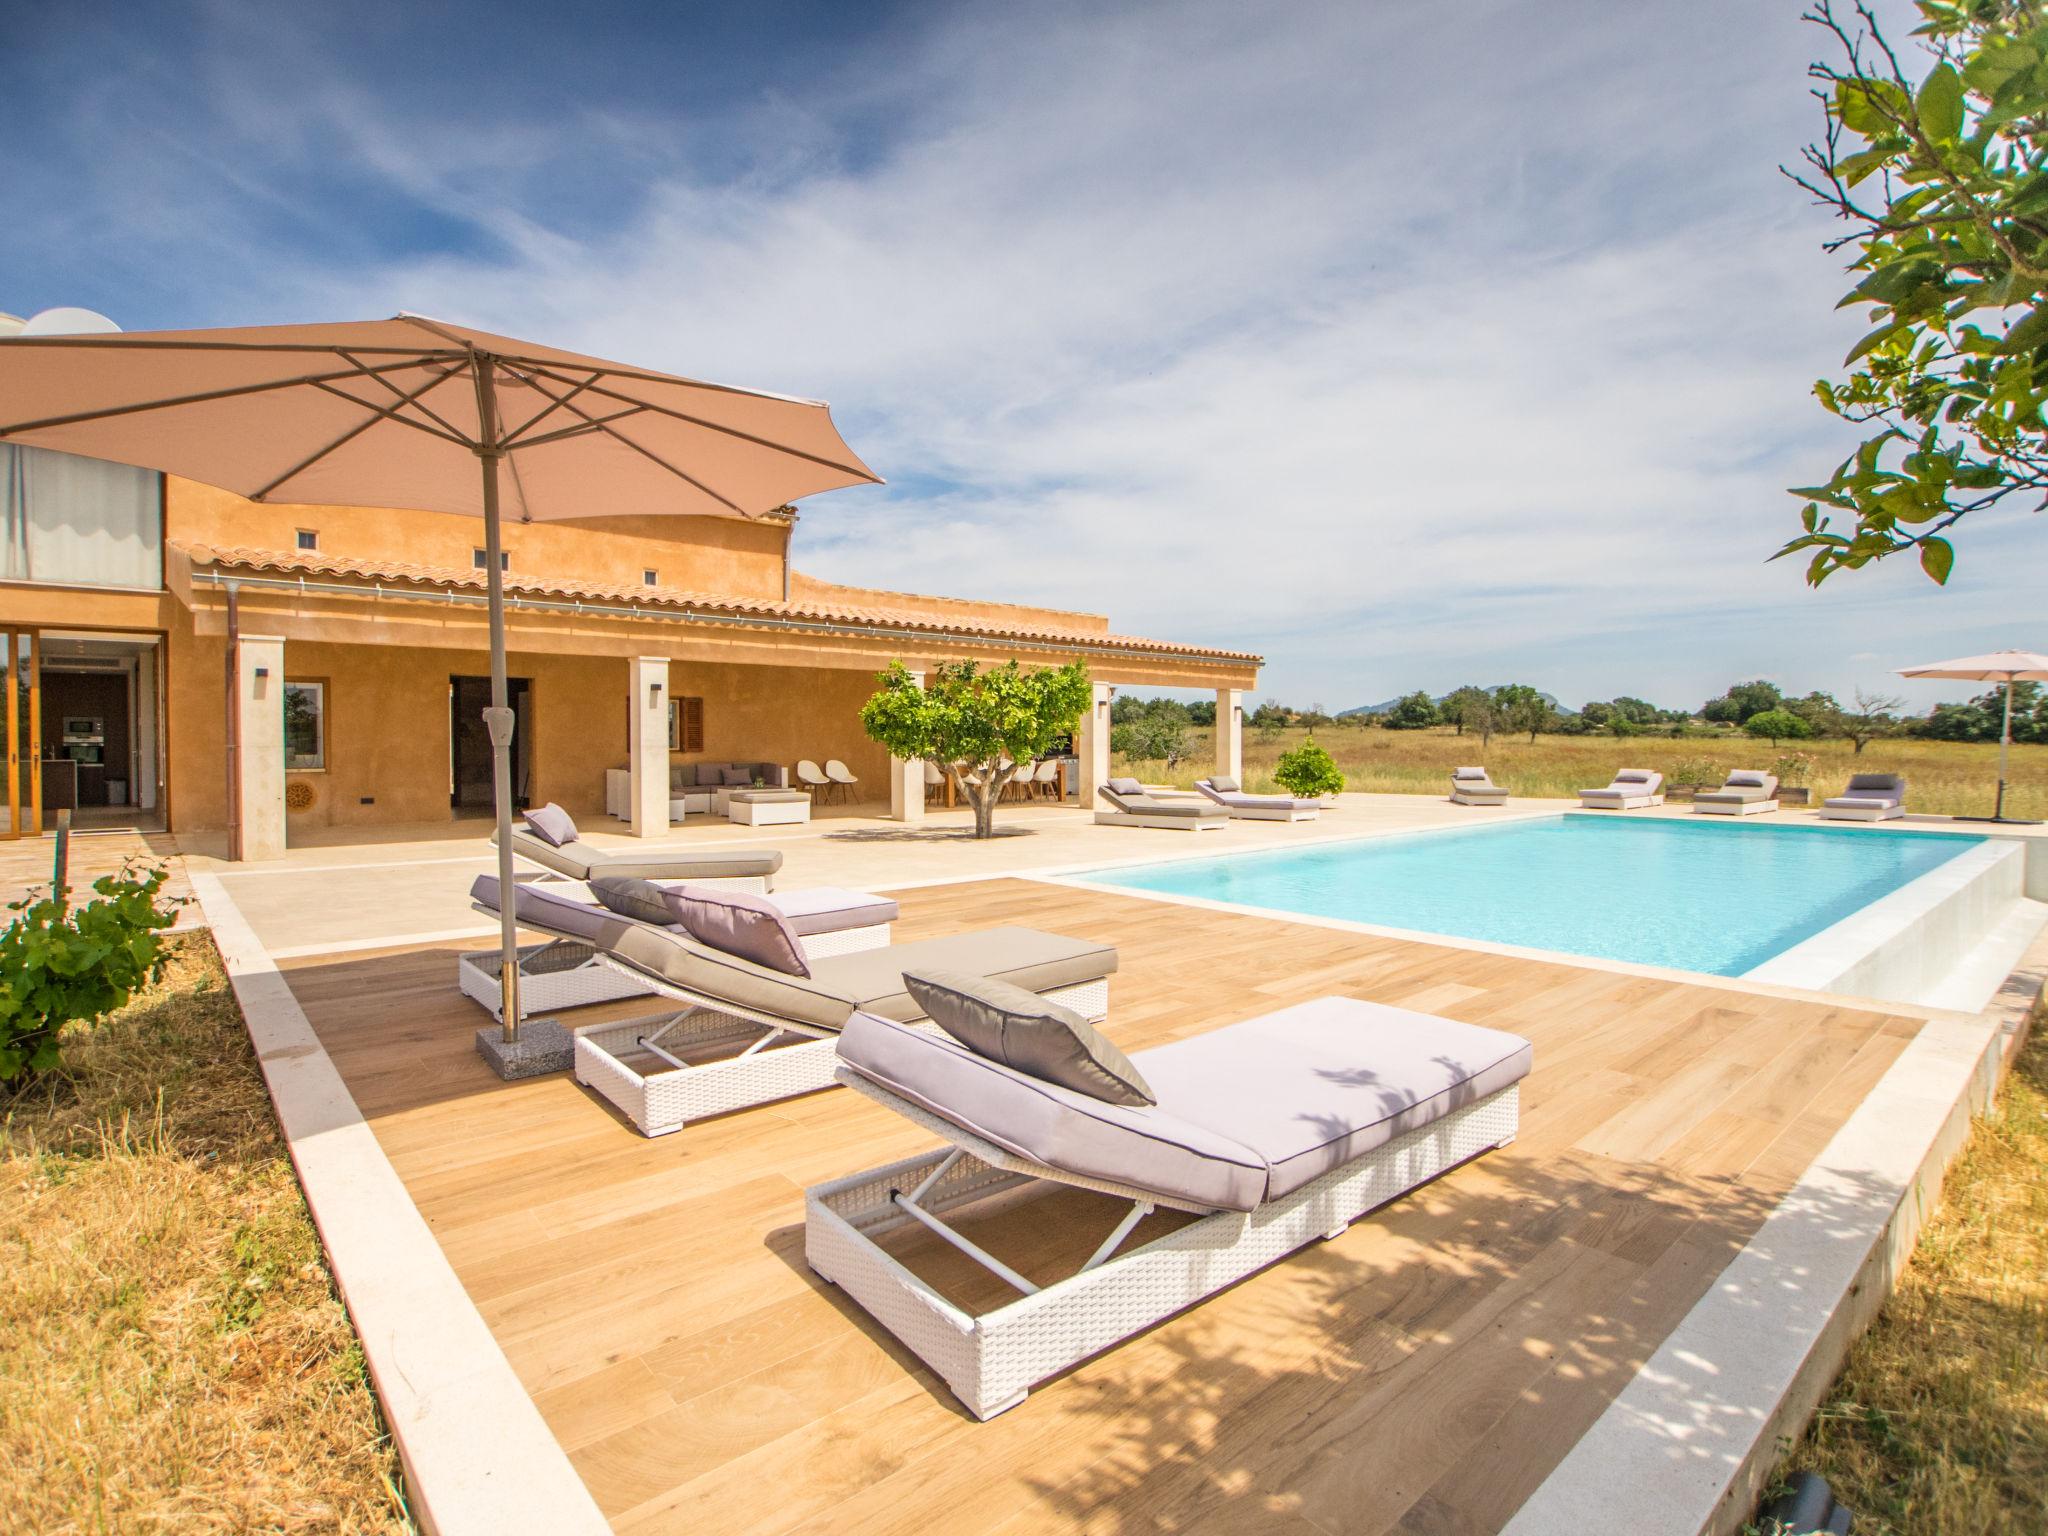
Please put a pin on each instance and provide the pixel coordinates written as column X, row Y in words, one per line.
column 1887, row 787
column 871, row 979
column 811, row 910
column 830, row 908
column 1138, row 803
column 1744, row 786
column 1246, row 1114
column 1021, row 1029
column 581, row 861
column 1234, row 798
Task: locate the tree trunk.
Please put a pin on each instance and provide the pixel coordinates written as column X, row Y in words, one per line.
column 1861, row 742
column 982, row 796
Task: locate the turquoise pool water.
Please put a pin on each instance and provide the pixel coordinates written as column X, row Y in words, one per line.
column 1696, row 896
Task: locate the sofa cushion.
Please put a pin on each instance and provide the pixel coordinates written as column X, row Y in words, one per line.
column 552, row 825
column 737, row 775
column 1025, row 957
column 737, row 923
column 1021, row 1029
column 630, row 896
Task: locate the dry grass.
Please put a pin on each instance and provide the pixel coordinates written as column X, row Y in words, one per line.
column 172, row 1355
column 1939, row 1421
column 1947, row 778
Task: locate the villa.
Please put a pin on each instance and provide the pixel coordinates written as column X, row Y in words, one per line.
column 356, row 641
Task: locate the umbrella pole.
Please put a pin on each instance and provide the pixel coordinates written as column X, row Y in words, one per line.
column 499, row 717
column 2004, row 742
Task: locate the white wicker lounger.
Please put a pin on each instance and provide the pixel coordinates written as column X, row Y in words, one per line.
column 993, row 1359
column 564, row 972
column 749, row 1035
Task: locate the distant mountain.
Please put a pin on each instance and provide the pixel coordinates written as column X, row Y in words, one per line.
column 1386, row 704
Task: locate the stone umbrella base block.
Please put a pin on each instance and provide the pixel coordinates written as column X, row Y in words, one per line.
column 543, row 1046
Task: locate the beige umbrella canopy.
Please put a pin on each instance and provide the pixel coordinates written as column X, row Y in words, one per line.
column 2006, row 667
column 412, row 412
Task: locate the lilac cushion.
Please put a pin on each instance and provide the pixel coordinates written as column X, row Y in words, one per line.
column 738, row 923
column 551, row 824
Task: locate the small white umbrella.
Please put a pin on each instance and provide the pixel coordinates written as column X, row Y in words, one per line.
column 2006, row 667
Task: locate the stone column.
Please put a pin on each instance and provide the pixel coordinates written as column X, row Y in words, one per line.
column 647, row 745
column 1230, row 732
column 259, row 779
column 1091, row 746
column 906, row 782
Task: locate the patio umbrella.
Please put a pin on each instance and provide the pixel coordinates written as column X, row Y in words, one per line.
column 2007, row 667
column 412, row 412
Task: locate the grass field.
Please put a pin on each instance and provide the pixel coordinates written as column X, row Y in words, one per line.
column 1939, row 1421
column 1948, row 778
column 172, row 1354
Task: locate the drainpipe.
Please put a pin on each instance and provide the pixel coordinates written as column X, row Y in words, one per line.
column 234, row 753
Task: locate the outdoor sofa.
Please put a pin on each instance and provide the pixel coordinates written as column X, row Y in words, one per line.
column 1274, row 1132
column 562, row 973
column 1132, row 806
column 1633, row 789
column 1747, row 792
column 1225, row 791
column 1473, row 786
column 548, row 837
column 1869, row 797
column 751, row 1032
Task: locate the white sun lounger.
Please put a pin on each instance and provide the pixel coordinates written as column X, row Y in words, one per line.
column 565, row 973
column 1132, row 806
column 1474, row 786
column 1748, row 792
column 749, row 1035
column 1276, row 1131
column 1225, row 791
column 1870, row 797
column 1633, row 789
column 737, row 869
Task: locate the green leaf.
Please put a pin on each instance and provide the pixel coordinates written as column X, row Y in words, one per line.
column 1940, row 104
column 1937, row 559
column 1874, row 340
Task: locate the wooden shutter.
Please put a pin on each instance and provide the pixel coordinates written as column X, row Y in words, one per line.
column 691, row 725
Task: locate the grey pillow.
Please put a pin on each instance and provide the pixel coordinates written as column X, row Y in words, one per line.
column 641, row 900
column 737, row 776
column 1224, row 784
column 1022, row 1030
column 1126, row 787
column 551, row 824
column 738, row 923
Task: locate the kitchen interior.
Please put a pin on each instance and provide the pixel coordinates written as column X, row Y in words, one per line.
column 102, row 708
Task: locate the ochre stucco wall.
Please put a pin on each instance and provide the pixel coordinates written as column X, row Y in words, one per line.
column 712, row 555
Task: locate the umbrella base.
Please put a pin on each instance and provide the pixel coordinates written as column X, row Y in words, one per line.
column 2003, row 821
column 543, row 1046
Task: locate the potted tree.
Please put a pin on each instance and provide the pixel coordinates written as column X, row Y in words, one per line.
column 1310, row 772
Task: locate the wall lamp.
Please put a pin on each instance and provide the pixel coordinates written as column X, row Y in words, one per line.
column 654, row 695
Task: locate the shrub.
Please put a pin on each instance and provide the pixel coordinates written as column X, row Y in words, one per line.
column 1777, row 725
column 1696, row 770
column 61, row 964
column 1795, row 767
column 1308, row 771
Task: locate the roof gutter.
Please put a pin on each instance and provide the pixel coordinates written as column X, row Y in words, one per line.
column 687, row 615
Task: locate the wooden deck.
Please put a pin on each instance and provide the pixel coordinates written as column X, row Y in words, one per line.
column 1422, row 1373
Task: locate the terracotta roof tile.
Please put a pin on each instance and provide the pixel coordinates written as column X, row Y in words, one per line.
column 311, row 563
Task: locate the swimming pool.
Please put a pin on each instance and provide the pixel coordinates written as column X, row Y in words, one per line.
column 1694, row 896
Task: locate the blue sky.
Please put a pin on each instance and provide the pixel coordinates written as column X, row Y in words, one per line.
column 1409, row 347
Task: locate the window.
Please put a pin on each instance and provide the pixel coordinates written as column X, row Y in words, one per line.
column 481, row 560
column 686, row 725
column 309, row 538
column 79, row 522
column 650, row 577
column 305, row 726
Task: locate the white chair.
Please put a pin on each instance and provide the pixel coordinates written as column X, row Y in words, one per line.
column 812, row 778
column 841, row 777
column 1046, row 782
column 934, row 782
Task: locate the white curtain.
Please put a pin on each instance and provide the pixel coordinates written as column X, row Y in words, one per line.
column 79, row 522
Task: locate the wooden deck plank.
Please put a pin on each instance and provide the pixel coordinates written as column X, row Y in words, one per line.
column 1420, row 1373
